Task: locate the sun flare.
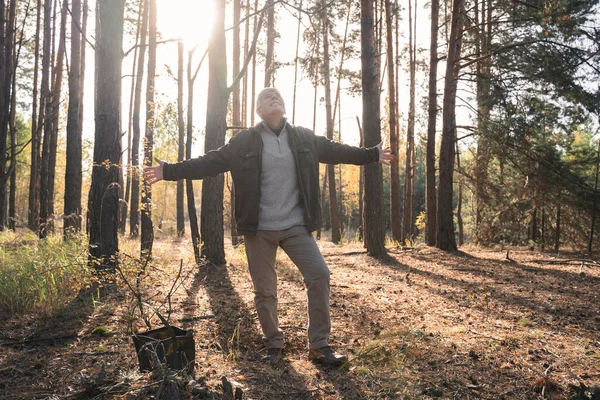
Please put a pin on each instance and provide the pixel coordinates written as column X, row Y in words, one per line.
column 189, row 19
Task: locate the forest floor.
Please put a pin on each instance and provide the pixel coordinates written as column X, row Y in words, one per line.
column 417, row 324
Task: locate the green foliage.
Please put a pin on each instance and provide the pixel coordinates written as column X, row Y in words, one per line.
column 40, row 275
column 102, row 331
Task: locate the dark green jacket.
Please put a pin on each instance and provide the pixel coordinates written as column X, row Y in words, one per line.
column 242, row 156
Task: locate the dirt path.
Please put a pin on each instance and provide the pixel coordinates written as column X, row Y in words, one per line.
column 418, row 324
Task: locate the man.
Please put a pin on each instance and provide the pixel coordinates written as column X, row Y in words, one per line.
column 275, row 169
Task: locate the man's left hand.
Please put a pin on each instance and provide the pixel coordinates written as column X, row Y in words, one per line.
column 385, row 155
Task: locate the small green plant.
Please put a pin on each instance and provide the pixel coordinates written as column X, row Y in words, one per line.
column 524, row 322
column 102, row 331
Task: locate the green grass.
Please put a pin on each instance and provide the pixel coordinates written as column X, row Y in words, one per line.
column 40, row 275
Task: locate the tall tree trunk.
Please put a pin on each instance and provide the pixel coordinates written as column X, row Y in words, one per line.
column 134, row 202
column 181, row 141
column 459, row 218
column 245, row 79
column 374, row 225
column 47, row 119
column 395, row 164
column 84, row 21
column 147, row 236
column 269, row 58
column 12, row 201
column 34, row 171
column 595, row 204
column 127, row 198
column 7, row 28
column 189, row 187
column 333, row 205
column 211, row 216
column 431, row 205
column 73, row 171
column 253, row 85
column 236, row 238
column 56, row 92
column 361, row 185
column 296, row 64
column 445, row 239
column 408, row 217
column 107, row 143
column 557, row 232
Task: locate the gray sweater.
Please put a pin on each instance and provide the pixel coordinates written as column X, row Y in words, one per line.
column 280, row 202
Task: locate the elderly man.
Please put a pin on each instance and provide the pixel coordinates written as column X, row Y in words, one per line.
column 275, row 169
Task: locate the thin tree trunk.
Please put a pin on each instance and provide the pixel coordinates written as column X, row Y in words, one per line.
column 127, row 199
column 134, row 203
column 73, row 170
column 408, row 217
column 47, row 118
column 459, row 218
column 84, row 21
column 34, row 171
column 445, row 239
column 12, row 201
column 296, row 64
column 395, row 198
column 236, row 238
column 269, row 58
column 595, row 204
column 361, row 185
column 181, row 141
column 374, row 224
column 189, row 189
column 147, row 233
column 431, row 205
column 245, row 79
column 557, row 233
column 253, row 94
column 333, row 206
column 107, row 143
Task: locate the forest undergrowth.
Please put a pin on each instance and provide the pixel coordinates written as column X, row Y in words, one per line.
column 417, row 324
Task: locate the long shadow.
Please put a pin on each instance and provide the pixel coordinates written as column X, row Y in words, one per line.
column 560, row 296
column 233, row 317
column 30, row 345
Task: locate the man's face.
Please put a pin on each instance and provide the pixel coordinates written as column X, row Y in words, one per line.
column 270, row 105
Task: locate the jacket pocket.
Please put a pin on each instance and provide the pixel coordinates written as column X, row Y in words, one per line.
column 306, row 156
column 249, row 159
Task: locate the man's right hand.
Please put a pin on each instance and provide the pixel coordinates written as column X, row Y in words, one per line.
column 154, row 174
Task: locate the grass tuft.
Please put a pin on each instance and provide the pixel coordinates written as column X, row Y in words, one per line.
column 40, row 275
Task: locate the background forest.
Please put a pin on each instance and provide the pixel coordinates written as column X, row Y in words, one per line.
column 491, row 107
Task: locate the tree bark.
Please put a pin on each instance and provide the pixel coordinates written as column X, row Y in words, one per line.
column 107, row 143
column 333, row 204
column 269, row 58
column 236, row 238
column 431, row 205
column 296, row 64
column 73, row 171
column 395, row 198
column 445, row 239
column 374, row 227
column 189, row 187
column 253, row 85
column 134, row 202
column 557, row 232
column 34, row 171
column 47, row 118
column 181, row 139
column 408, row 217
column 147, row 236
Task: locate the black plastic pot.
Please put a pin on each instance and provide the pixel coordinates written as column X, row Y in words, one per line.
column 180, row 356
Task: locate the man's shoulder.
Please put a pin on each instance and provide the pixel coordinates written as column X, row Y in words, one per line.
column 302, row 131
column 243, row 136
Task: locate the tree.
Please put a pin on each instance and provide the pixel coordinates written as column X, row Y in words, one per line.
column 73, row 172
column 211, row 217
column 134, row 202
column 333, row 204
column 34, row 171
column 393, row 121
column 374, row 228
column 181, row 138
column 235, row 113
column 408, row 218
column 147, row 235
column 445, row 239
column 107, row 143
column 269, row 58
column 431, row 205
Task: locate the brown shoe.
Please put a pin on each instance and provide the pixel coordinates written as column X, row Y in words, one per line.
column 326, row 356
column 274, row 355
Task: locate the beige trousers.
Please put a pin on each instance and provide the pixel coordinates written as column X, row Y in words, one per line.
column 302, row 249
